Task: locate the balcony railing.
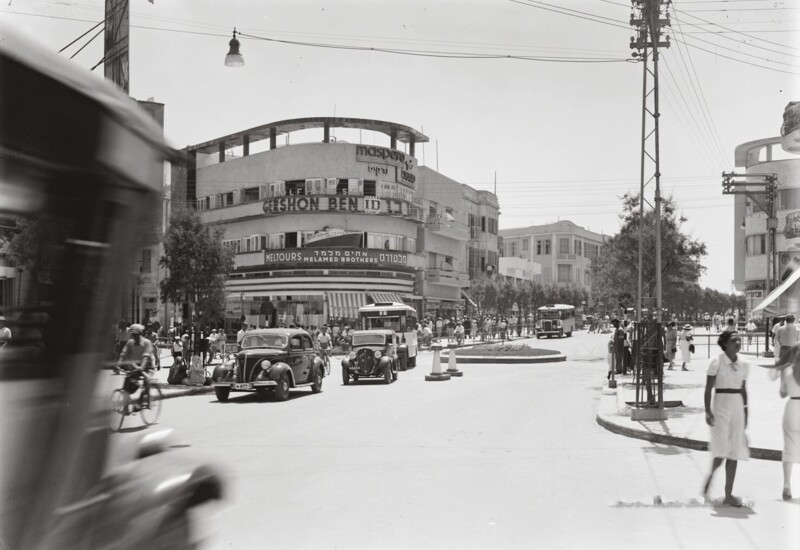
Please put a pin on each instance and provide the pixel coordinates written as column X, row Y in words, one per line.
column 566, row 257
column 440, row 223
column 446, row 277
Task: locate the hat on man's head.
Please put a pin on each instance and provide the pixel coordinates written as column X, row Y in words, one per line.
column 687, row 326
column 136, row 328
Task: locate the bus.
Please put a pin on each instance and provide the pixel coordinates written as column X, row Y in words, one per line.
column 555, row 320
column 395, row 316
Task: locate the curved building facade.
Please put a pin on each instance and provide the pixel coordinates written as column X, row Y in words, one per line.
column 322, row 228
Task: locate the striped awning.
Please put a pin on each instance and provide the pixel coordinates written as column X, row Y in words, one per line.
column 345, row 304
column 384, row 297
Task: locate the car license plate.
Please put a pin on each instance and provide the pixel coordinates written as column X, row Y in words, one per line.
column 247, row 386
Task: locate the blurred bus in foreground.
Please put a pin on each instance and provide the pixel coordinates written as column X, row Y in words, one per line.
column 80, row 167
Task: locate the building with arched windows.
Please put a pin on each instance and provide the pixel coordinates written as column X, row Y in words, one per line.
column 323, row 227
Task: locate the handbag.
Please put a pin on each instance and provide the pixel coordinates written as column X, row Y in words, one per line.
column 691, row 348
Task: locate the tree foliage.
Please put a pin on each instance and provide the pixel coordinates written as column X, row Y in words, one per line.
column 496, row 295
column 615, row 272
column 197, row 265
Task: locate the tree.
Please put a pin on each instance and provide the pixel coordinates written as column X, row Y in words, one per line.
column 197, row 265
column 615, row 271
column 507, row 297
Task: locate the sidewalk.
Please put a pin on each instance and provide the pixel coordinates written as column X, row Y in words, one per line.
column 170, row 391
column 685, row 425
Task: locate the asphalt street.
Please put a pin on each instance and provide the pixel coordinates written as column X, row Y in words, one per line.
column 509, row 456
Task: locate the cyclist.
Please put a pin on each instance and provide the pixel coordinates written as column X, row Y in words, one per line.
column 324, row 343
column 140, row 351
column 459, row 334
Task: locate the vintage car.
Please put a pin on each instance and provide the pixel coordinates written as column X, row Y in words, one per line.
column 374, row 355
column 272, row 359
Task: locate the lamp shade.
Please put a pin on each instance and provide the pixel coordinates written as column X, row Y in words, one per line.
column 234, row 57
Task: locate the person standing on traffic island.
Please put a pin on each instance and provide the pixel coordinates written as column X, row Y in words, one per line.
column 727, row 376
column 671, row 343
column 619, row 346
column 786, row 335
column 686, row 346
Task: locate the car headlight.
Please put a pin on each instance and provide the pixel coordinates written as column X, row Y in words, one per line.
column 378, row 354
column 266, row 365
column 352, row 355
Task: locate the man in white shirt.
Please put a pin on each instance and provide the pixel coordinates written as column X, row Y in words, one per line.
column 240, row 335
column 5, row 332
column 786, row 335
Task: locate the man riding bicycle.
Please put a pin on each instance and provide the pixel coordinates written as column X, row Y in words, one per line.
column 324, row 343
column 140, row 352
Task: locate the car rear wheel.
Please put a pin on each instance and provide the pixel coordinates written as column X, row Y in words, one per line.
column 222, row 393
column 394, row 372
column 345, row 377
column 282, row 389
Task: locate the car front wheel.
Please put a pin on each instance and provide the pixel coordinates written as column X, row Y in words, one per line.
column 394, row 373
column 282, row 389
column 316, row 385
column 345, row 377
column 387, row 374
column 222, row 393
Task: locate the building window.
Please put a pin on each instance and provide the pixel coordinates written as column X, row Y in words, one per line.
column 483, row 223
column 577, row 247
column 538, row 248
column 513, row 249
column 296, row 187
column 547, row 247
column 756, row 245
column 147, row 263
column 526, row 243
column 564, row 273
column 277, row 240
column 547, row 274
column 369, row 188
column 563, row 246
column 341, row 187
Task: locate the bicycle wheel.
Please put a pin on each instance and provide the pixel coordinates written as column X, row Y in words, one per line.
column 327, row 365
column 119, row 407
column 151, row 405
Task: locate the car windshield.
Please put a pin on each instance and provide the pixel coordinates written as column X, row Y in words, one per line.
column 277, row 341
column 369, row 339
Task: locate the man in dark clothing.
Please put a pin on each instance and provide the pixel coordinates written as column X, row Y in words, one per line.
column 619, row 346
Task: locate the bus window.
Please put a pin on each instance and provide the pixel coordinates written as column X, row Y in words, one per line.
column 403, row 323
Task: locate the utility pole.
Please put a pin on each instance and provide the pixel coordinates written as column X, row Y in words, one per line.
column 115, row 60
column 648, row 20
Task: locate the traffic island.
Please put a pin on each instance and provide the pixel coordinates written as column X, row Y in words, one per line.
column 504, row 354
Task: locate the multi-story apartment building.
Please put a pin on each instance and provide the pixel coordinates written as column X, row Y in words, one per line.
column 322, row 228
column 778, row 156
column 563, row 249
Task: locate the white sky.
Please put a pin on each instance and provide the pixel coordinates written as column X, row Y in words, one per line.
column 562, row 137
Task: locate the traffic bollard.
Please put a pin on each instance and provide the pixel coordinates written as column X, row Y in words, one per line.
column 452, row 367
column 436, row 371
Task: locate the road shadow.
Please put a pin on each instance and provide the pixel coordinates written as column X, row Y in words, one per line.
column 248, row 398
column 723, row 511
column 680, row 412
column 369, row 382
column 665, row 450
column 132, row 429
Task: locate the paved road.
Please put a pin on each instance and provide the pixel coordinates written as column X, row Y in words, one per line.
column 505, row 457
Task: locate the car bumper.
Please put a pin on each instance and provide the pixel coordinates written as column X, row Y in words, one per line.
column 246, row 386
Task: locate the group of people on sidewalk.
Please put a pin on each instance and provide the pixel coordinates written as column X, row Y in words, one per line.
column 726, row 410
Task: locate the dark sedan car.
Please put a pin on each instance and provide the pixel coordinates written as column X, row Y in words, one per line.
column 374, row 355
column 272, row 360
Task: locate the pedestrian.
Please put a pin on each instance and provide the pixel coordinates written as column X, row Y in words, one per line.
column 727, row 377
column 686, row 346
column 467, row 323
column 222, row 341
column 451, row 329
column 627, row 347
column 751, row 329
column 787, row 367
column 240, row 336
column 671, row 343
column 439, row 327
column 786, row 335
column 458, row 334
column 730, row 326
column 618, row 339
column 5, row 333
column 213, row 344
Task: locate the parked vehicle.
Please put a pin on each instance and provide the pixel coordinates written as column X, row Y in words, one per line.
column 374, row 355
column 272, row 360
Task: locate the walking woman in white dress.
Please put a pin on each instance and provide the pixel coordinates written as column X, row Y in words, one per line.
column 726, row 376
column 684, row 341
column 788, row 369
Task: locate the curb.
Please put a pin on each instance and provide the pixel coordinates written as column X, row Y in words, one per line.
column 508, row 359
column 687, row 443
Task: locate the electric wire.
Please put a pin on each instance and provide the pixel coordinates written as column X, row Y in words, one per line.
column 87, row 43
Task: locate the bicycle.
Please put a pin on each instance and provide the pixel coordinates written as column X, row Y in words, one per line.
column 148, row 403
column 325, row 355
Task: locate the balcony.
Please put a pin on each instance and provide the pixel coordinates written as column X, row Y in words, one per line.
column 445, row 225
column 566, row 257
column 446, row 277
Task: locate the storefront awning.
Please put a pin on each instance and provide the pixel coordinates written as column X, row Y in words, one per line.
column 769, row 304
column 467, row 298
column 345, row 304
column 384, row 297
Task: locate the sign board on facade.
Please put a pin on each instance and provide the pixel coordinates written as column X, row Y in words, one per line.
column 403, row 166
column 358, row 205
column 335, row 257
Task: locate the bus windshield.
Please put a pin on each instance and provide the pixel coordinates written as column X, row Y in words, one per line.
column 551, row 314
column 384, row 321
